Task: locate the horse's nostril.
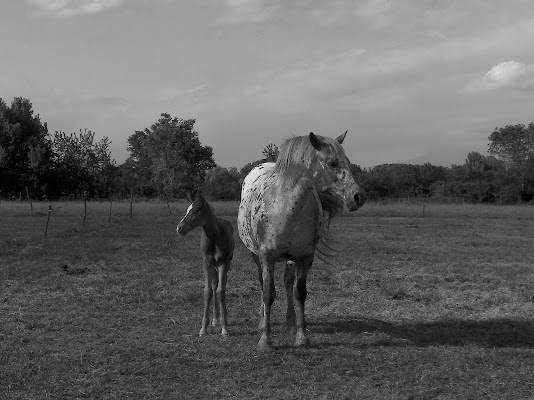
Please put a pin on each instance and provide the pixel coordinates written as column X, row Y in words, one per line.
column 359, row 199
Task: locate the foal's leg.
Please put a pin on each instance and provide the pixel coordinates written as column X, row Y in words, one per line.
column 303, row 266
column 289, row 281
column 260, row 278
column 269, row 294
column 208, row 293
column 214, row 286
column 221, row 296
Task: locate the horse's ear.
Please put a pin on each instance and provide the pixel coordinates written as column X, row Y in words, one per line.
column 341, row 138
column 316, row 142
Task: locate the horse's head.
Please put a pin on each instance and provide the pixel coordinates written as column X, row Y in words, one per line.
column 332, row 175
column 195, row 215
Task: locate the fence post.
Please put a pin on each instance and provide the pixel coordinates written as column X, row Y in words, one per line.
column 29, row 201
column 169, row 206
column 131, row 205
column 84, row 210
column 110, row 204
column 48, row 218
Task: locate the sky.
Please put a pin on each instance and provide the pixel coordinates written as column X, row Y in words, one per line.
column 412, row 81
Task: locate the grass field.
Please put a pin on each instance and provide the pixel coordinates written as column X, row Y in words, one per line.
column 439, row 307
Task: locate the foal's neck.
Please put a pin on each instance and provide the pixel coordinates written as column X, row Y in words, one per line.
column 211, row 226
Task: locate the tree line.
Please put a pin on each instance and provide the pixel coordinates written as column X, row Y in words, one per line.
column 168, row 159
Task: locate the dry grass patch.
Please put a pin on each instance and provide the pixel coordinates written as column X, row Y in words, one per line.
column 434, row 307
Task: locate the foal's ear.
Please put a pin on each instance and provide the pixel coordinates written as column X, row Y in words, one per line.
column 316, row 142
column 192, row 195
column 341, row 138
column 189, row 195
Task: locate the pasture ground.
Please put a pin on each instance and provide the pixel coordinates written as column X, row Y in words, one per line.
column 439, row 307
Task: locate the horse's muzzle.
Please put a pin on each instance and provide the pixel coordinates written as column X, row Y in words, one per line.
column 180, row 230
column 357, row 201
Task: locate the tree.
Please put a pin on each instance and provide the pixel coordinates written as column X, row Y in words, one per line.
column 25, row 149
column 84, row 167
column 222, row 184
column 514, row 145
column 270, row 152
column 169, row 156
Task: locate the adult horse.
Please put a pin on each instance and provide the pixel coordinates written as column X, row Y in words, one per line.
column 217, row 248
column 285, row 211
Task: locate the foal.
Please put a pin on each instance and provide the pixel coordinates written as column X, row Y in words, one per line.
column 217, row 247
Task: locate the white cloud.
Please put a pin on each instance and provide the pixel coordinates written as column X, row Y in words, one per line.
column 71, row 8
column 512, row 74
column 247, row 11
column 375, row 12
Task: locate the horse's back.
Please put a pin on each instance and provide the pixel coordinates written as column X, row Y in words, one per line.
column 279, row 216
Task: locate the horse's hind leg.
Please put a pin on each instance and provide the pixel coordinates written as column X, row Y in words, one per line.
column 256, row 259
column 269, row 294
column 221, row 296
column 289, row 281
column 303, row 267
column 208, row 293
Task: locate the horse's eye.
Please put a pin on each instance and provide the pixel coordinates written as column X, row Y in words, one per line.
column 333, row 164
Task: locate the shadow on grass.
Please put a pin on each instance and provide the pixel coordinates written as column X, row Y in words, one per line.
column 453, row 332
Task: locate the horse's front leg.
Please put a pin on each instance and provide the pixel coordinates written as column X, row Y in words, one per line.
column 269, row 294
column 221, row 296
column 208, row 293
column 289, row 281
column 303, row 267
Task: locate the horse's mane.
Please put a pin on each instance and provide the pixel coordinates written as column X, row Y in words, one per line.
column 298, row 151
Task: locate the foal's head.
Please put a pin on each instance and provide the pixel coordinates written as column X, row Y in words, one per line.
column 196, row 215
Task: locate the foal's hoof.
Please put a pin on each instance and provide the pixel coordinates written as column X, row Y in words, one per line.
column 303, row 341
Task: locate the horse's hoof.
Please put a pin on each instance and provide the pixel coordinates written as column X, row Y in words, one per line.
column 302, row 342
column 265, row 346
column 214, row 323
column 201, row 333
column 225, row 334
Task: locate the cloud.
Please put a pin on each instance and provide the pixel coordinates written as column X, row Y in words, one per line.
column 511, row 74
column 71, row 8
column 376, row 12
column 247, row 11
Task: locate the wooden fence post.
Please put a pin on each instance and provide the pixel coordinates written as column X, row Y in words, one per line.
column 131, row 205
column 48, row 218
column 84, row 210
column 110, row 204
column 29, row 201
column 169, row 206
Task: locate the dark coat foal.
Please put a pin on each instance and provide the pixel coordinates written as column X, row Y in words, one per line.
column 217, row 247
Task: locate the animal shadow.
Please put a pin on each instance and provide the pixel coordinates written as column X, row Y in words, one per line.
column 491, row 333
